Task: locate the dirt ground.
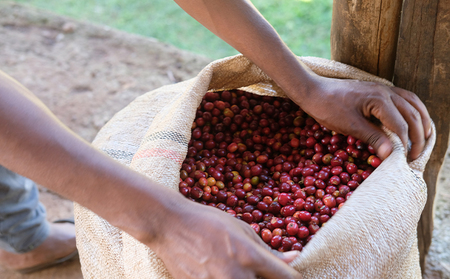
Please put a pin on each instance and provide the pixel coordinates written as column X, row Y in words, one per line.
column 85, row 73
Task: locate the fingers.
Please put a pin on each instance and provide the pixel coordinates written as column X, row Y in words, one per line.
column 419, row 106
column 401, row 113
column 287, row 257
column 272, row 266
column 415, row 126
column 373, row 135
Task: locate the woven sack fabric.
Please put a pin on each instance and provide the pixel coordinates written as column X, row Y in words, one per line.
column 372, row 236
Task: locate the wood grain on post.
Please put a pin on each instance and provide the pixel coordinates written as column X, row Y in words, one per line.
column 364, row 34
column 423, row 67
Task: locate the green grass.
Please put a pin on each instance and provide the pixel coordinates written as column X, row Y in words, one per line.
column 303, row 24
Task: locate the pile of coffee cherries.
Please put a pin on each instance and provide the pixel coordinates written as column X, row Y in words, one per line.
column 266, row 162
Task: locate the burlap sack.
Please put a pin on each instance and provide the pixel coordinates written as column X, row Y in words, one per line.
column 372, row 236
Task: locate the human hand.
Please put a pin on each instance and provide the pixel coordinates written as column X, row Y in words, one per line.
column 207, row 243
column 346, row 107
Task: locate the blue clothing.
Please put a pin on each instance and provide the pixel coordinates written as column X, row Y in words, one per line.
column 23, row 224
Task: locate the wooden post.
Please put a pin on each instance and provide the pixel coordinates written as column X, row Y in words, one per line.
column 423, row 67
column 364, row 34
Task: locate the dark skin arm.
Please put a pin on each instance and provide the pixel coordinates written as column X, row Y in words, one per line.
column 341, row 105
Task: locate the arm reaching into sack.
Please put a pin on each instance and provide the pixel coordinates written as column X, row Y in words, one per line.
column 341, row 105
column 194, row 241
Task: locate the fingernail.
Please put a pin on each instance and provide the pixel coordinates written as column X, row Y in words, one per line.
column 429, row 133
column 291, row 255
column 385, row 149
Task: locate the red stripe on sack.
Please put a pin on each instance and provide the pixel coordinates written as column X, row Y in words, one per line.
column 158, row 152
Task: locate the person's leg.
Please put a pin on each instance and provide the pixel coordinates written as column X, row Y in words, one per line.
column 23, row 226
column 27, row 240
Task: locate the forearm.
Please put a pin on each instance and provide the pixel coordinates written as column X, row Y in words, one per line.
column 35, row 144
column 239, row 24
